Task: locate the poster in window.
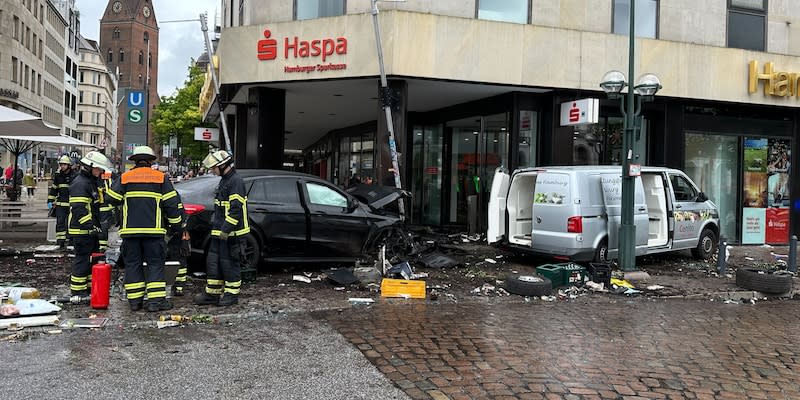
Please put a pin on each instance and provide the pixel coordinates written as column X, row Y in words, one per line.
column 777, row 215
column 753, row 229
column 755, row 193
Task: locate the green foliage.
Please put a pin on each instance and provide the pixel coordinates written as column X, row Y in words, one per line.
column 179, row 114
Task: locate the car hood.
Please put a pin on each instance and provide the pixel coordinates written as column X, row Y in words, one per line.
column 377, row 196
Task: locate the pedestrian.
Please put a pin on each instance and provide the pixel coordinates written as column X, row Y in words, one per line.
column 228, row 226
column 30, row 182
column 8, row 173
column 84, row 222
column 147, row 194
column 58, row 198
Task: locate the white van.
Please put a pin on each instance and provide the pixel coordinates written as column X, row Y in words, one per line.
column 573, row 212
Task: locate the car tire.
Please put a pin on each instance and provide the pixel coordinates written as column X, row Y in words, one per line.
column 529, row 285
column 764, row 281
column 252, row 250
column 601, row 252
column 398, row 244
column 706, row 245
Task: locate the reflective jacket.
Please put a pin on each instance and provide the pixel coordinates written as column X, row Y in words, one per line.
column 59, row 188
column 106, row 210
column 145, row 194
column 84, row 205
column 230, row 206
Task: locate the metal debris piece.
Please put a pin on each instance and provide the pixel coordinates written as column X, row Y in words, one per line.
column 402, row 269
column 301, row 278
column 167, row 324
column 655, row 287
column 490, row 260
column 340, row 276
column 360, row 300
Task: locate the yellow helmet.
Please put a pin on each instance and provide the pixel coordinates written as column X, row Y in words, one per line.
column 96, row 159
column 142, row 153
column 217, row 158
column 65, row 159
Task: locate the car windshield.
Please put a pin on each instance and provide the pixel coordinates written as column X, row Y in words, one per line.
column 197, row 190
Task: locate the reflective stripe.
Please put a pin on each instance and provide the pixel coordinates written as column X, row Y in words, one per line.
column 78, row 231
column 78, row 199
column 176, row 220
column 106, row 208
column 62, row 203
column 135, row 295
column 144, row 194
column 114, row 195
column 235, row 196
column 86, row 218
column 233, row 284
column 130, row 231
column 63, row 185
column 231, row 220
column 213, row 291
column 77, row 288
column 232, row 291
column 78, row 279
column 169, row 195
column 156, row 285
column 214, row 281
column 134, row 285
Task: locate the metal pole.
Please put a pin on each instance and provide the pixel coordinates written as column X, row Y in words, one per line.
column 793, row 254
column 385, row 103
column 210, row 51
column 627, row 229
column 722, row 250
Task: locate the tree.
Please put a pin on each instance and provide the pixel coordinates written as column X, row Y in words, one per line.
column 179, row 114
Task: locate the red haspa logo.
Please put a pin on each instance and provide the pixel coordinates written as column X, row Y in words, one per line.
column 267, row 48
column 574, row 113
column 206, row 134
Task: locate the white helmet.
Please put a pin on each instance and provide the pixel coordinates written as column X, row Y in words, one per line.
column 216, row 159
column 145, row 153
column 96, row 159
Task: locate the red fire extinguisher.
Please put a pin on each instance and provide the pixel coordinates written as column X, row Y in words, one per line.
column 101, row 285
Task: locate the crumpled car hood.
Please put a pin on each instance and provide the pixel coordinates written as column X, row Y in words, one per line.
column 377, row 196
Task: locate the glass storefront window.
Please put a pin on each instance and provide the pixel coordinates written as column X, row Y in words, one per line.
column 310, row 9
column 646, row 17
column 504, row 10
column 427, row 180
column 528, row 138
column 356, row 159
column 601, row 143
column 712, row 162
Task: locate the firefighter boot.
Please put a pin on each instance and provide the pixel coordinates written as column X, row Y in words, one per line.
column 229, row 300
column 135, row 305
column 158, row 305
column 177, row 291
column 204, row 299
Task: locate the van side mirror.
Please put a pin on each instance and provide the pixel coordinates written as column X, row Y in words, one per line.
column 701, row 197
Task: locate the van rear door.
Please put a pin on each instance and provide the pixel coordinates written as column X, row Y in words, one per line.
column 612, row 196
column 498, row 195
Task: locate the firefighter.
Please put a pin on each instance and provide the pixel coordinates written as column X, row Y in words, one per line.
column 228, row 225
column 178, row 250
column 147, row 194
column 106, row 210
column 84, row 219
column 58, row 198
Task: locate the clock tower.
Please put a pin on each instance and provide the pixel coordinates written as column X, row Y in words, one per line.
column 129, row 44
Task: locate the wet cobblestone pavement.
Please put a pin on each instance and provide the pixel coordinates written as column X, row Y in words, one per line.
column 632, row 349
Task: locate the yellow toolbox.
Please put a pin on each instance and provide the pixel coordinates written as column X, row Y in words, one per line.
column 403, row 288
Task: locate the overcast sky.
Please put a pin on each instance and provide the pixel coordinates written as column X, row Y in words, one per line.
column 178, row 42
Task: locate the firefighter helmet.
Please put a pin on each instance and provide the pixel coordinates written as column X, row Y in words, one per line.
column 144, row 153
column 95, row 159
column 65, row 159
column 217, row 159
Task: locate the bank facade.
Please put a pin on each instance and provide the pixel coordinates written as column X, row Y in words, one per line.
column 480, row 84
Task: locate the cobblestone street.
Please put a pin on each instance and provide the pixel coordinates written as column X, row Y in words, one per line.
column 637, row 349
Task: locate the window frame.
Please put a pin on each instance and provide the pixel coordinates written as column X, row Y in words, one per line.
column 658, row 20
column 529, row 20
column 748, row 11
column 311, row 202
column 294, row 10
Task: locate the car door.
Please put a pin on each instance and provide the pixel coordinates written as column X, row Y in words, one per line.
column 686, row 211
column 276, row 211
column 337, row 230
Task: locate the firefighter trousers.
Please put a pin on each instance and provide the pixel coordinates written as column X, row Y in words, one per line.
column 174, row 247
column 81, row 278
column 222, row 266
column 61, row 213
column 135, row 252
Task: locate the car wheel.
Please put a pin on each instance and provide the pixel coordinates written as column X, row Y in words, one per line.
column 706, row 245
column 252, row 250
column 764, row 281
column 529, row 285
column 398, row 244
column 601, row 252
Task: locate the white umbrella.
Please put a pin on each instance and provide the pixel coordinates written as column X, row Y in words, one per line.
column 20, row 132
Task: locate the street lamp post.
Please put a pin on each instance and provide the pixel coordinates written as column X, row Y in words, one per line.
column 648, row 84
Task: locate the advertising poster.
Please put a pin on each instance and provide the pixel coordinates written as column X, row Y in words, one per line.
column 777, row 231
column 777, row 216
column 753, row 227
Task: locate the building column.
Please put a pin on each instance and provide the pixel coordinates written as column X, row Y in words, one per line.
column 383, row 162
column 262, row 147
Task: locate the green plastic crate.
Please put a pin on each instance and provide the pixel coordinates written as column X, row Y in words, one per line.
column 553, row 272
column 573, row 274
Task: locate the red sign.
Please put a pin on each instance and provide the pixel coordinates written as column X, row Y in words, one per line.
column 574, row 113
column 777, row 231
column 267, row 48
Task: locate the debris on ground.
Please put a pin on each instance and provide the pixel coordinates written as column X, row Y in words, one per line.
column 83, row 323
column 24, row 322
column 360, row 300
column 403, row 288
column 340, row 276
column 301, row 278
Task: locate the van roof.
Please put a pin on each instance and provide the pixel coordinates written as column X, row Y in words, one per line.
column 593, row 168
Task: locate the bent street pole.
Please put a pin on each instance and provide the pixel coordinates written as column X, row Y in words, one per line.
column 387, row 109
column 627, row 229
column 210, row 51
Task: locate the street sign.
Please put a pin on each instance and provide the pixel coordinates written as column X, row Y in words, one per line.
column 206, row 134
column 104, row 143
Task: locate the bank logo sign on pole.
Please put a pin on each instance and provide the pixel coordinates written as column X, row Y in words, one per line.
column 206, row 134
column 580, row 112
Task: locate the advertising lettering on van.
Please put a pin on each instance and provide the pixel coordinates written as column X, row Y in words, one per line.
column 268, row 49
column 612, row 189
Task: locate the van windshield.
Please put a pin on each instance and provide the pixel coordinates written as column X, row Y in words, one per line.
column 552, row 188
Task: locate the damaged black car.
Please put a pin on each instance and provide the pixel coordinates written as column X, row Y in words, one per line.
column 295, row 217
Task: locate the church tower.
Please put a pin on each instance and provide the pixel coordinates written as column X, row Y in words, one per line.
column 129, row 43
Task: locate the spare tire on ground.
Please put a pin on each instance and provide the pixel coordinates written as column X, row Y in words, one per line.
column 765, row 281
column 529, row 285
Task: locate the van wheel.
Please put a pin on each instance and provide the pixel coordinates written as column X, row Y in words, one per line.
column 601, row 252
column 529, row 285
column 706, row 245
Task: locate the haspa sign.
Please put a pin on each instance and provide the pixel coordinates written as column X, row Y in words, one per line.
column 269, row 49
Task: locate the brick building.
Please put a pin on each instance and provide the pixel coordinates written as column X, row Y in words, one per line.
column 129, row 43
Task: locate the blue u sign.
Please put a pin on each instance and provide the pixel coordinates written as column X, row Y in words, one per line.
column 135, row 99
